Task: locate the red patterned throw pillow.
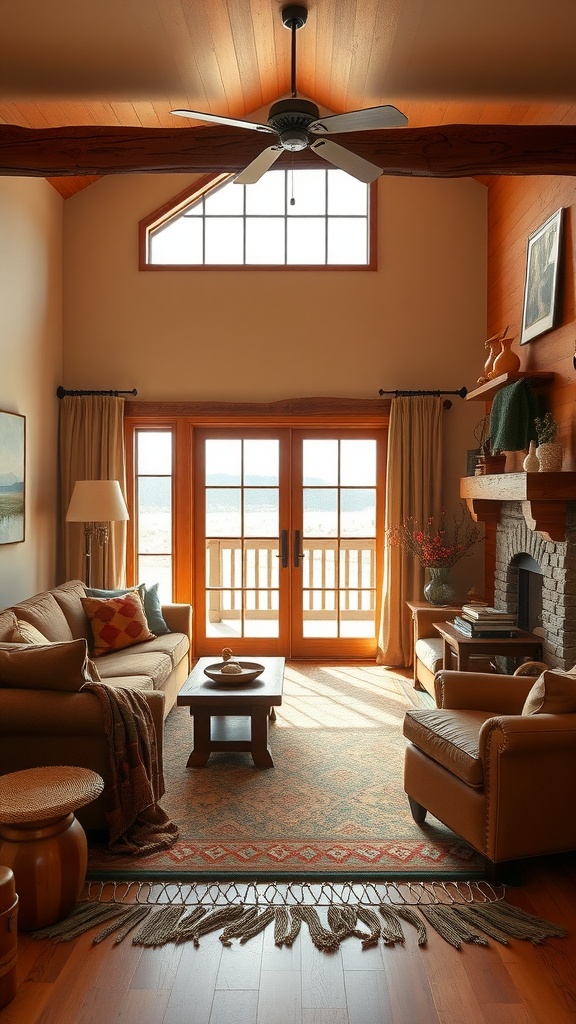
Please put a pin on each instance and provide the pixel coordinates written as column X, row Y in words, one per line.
column 116, row 622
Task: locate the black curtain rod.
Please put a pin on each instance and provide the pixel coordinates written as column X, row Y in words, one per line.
column 409, row 394
column 61, row 393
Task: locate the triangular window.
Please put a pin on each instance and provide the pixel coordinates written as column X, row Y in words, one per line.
column 289, row 218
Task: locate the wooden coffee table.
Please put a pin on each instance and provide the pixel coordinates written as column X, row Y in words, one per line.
column 232, row 717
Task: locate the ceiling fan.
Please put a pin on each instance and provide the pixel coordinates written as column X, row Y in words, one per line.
column 296, row 121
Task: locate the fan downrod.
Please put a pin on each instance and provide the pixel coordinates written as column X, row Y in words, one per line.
column 294, row 16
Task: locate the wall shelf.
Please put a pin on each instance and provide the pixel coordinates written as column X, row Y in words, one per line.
column 485, row 392
column 544, row 497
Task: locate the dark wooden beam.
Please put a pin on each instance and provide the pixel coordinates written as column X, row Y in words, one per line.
column 447, row 151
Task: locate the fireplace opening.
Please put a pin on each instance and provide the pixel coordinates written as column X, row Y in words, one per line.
column 529, row 593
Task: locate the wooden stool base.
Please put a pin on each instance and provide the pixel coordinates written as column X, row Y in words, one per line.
column 49, row 860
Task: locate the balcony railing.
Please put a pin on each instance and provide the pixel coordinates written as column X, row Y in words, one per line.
column 258, row 579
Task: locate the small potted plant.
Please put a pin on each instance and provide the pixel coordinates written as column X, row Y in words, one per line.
column 549, row 452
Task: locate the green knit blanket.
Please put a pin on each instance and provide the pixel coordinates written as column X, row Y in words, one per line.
column 512, row 416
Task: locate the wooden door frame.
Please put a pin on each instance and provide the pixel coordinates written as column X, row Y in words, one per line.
column 184, row 417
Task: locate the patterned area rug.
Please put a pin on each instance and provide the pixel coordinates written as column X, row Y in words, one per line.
column 332, row 807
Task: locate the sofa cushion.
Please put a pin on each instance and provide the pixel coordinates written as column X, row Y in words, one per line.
column 26, row 633
column 8, row 623
column 175, row 645
column 117, row 622
column 429, row 651
column 69, row 596
column 136, row 661
column 553, row 693
column 150, row 599
column 141, row 682
column 58, row 666
column 451, row 739
column 43, row 612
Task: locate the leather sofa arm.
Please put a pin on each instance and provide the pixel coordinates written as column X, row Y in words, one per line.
column 528, row 735
column 178, row 618
column 529, row 768
column 482, row 691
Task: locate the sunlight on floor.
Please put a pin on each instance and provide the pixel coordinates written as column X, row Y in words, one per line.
column 342, row 696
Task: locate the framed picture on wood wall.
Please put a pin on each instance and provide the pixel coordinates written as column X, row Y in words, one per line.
column 541, row 287
column 12, row 477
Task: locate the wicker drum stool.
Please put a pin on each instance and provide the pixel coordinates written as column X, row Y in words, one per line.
column 42, row 841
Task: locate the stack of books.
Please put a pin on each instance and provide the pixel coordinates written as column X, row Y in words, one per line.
column 476, row 620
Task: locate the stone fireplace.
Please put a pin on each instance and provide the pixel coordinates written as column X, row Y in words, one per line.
column 516, row 545
column 535, row 519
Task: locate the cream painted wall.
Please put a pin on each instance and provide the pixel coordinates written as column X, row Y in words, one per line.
column 419, row 322
column 31, row 358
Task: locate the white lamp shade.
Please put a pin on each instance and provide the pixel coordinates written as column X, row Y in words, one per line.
column 97, row 501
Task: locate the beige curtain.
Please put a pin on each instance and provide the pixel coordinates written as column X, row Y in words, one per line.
column 92, row 448
column 413, row 488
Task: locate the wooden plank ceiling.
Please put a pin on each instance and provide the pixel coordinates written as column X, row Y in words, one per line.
column 128, row 63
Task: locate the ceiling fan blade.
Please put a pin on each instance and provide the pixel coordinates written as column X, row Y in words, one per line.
column 197, row 115
column 251, row 174
column 359, row 120
column 347, row 161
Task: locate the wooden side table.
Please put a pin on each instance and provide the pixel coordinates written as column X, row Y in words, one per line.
column 464, row 647
column 42, row 841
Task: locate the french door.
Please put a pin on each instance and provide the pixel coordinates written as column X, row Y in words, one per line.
column 288, row 549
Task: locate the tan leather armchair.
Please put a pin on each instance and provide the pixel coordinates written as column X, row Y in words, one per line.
column 501, row 780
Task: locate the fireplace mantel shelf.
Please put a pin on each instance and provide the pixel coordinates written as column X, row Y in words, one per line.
column 544, row 497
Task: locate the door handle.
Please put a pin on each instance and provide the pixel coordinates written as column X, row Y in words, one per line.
column 283, row 553
column 298, row 554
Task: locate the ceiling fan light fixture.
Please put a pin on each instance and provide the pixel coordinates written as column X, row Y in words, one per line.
column 294, row 140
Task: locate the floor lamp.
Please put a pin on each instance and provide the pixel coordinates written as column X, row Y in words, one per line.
column 96, row 503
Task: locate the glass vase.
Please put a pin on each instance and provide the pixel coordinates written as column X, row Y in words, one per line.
column 438, row 590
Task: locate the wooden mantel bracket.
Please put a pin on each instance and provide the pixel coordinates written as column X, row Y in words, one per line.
column 546, row 517
column 544, row 498
column 484, row 511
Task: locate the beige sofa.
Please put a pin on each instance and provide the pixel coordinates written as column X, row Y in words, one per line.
column 52, row 726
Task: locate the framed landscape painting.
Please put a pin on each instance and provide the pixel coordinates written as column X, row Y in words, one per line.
column 541, row 289
column 12, row 477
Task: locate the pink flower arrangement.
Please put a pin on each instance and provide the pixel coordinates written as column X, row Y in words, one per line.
column 430, row 545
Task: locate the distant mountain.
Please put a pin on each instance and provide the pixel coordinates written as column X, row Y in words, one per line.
column 8, row 479
column 9, row 483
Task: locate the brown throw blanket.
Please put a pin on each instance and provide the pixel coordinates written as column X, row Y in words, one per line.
column 137, row 825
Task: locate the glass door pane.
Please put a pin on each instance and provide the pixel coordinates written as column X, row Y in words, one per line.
column 340, row 495
column 241, row 531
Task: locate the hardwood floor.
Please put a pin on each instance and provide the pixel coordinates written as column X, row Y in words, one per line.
column 78, row 983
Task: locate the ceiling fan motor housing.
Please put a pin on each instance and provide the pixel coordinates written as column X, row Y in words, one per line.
column 290, row 118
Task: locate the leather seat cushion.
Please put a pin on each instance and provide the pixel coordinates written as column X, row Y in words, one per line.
column 451, row 739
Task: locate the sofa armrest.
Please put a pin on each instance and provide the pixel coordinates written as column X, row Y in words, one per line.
column 61, row 714
column 178, row 618
column 529, row 768
column 482, row 691
column 425, row 617
column 528, row 735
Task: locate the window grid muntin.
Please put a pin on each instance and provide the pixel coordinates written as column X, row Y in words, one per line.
column 286, row 217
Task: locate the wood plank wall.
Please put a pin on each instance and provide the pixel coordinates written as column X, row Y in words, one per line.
column 517, row 206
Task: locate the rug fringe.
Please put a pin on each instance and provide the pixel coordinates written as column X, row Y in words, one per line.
column 156, row 925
